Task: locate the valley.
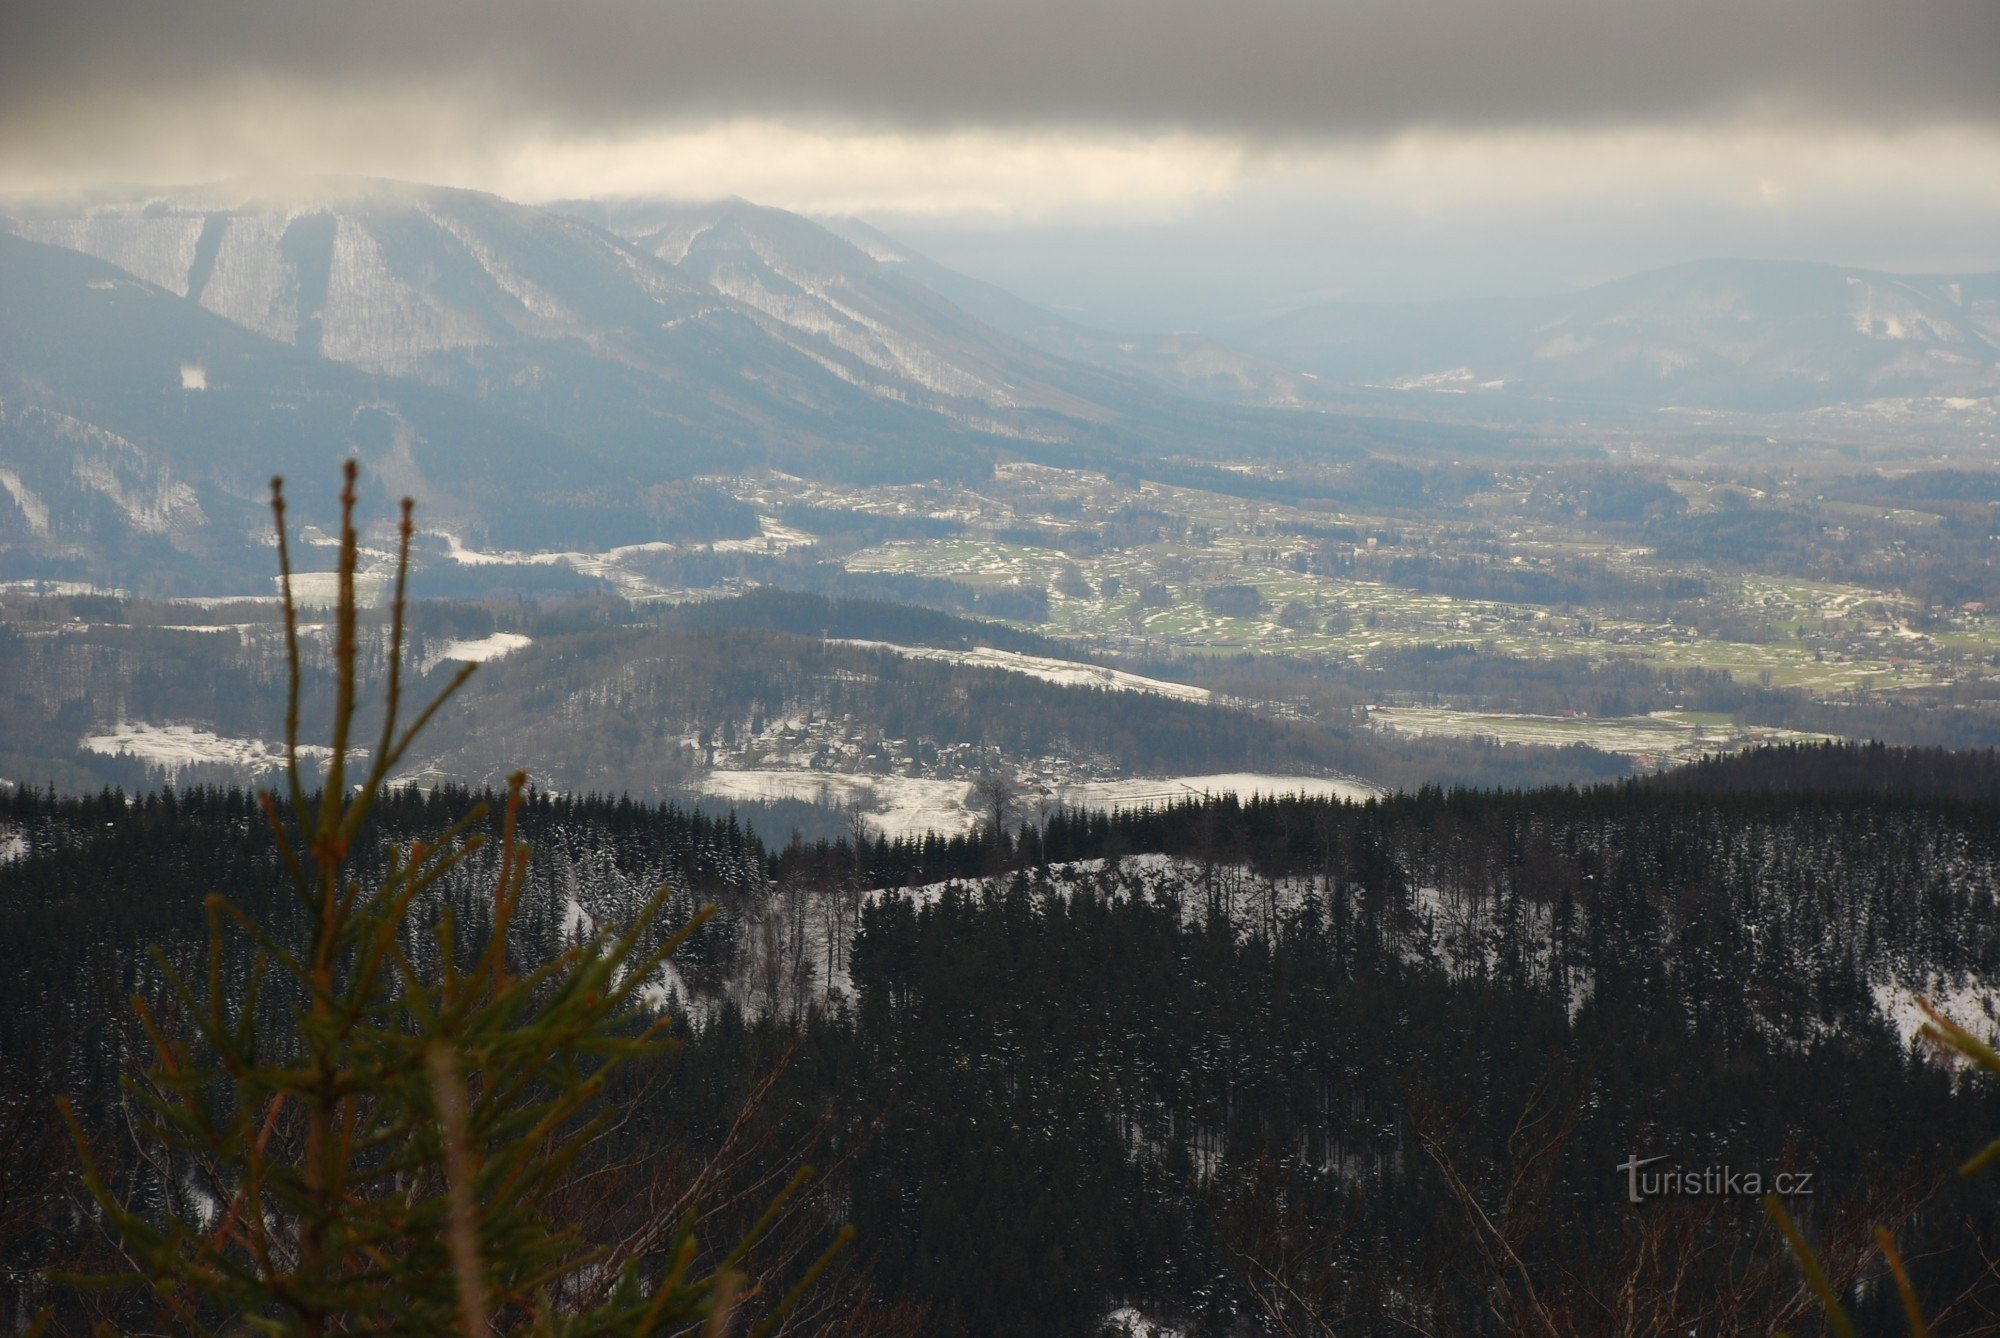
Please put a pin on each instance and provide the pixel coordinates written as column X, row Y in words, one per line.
column 1132, row 765
column 1429, row 622
column 1073, row 670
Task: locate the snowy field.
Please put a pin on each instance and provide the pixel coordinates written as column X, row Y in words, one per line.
column 62, row 589
column 478, row 650
column 174, row 748
column 893, row 806
column 1068, row 673
column 909, row 806
column 1665, row 736
column 321, row 589
column 1140, row 792
column 771, row 537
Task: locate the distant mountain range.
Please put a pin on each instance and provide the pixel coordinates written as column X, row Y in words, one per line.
column 1750, row 336
column 534, row 374
column 554, row 375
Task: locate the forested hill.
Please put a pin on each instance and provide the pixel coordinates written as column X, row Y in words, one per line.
column 1146, row 1059
column 770, row 609
column 1843, row 768
column 95, row 882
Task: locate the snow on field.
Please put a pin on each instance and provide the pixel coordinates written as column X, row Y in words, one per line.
column 1643, row 736
column 13, row 845
column 894, row 806
column 478, row 650
column 1970, row 1004
column 771, row 537
column 175, row 747
column 62, row 589
column 1069, row 673
column 1141, row 791
column 1665, row 734
column 321, row 589
column 909, row 806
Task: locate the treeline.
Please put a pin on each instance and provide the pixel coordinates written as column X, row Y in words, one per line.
column 1567, row 585
column 1843, row 768
column 1941, row 565
column 805, row 613
column 1955, row 715
column 93, row 882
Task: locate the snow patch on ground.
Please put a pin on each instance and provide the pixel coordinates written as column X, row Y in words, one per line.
column 666, row 991
column 478, row 650
column 1970, row 1003
column 1129, row 1322
column 33, row 509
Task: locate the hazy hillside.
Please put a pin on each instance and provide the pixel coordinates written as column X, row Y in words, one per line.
column 138, row 431
column 1724, row 334
column 1184, row 362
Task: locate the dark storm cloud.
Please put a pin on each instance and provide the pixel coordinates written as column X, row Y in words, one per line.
column 1262, row 67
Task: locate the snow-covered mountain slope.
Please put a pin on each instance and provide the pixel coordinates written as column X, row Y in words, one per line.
column 138, row 431
column 881, row 315
column 376, row 274
column 670, row 339
column 1739, row 335
column 838, row 304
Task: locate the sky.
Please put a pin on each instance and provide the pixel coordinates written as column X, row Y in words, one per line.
column 1142, row 163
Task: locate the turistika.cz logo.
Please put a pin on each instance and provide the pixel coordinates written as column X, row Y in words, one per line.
column 1707, row 1182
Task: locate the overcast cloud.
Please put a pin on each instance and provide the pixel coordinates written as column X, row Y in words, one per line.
column 1258, row 67
column 1856, row 130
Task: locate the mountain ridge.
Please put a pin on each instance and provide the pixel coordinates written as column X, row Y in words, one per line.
column 713, row 358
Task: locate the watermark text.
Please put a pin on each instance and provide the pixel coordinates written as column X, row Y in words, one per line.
column 1646, row 1178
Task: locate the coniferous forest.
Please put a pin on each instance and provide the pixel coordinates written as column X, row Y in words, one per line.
column 1281, row 1066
